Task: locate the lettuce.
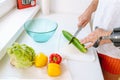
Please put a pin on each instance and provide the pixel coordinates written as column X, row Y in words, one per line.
column 21, row 55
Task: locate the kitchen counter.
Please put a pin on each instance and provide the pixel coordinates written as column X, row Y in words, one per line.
column 79, row 70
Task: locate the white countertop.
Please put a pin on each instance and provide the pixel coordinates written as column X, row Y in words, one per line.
column 79, row 70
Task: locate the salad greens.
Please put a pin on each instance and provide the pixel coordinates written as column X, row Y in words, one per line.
column 21, row 55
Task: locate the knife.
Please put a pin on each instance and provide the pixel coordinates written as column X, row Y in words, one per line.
column 76, row 33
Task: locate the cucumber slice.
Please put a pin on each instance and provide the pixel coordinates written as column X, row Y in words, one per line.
column 75, row 41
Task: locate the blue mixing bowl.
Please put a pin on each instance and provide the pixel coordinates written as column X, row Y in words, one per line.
column 41, row 30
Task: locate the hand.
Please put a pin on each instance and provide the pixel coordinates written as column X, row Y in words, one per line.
column 86, row 16
column 84, row 19
column 92, row 37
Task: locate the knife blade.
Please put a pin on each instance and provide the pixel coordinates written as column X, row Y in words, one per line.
column 75, row 34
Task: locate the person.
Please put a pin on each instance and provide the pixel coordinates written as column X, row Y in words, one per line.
column 106, row 18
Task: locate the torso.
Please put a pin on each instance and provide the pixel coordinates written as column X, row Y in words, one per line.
column 107, row 17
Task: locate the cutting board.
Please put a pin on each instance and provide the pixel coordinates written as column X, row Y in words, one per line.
column 69, row 51
column 9, row 72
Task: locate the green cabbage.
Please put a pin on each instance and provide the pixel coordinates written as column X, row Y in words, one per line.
column 21, row 55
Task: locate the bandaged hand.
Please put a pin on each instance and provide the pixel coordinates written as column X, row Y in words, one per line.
column 94, row 36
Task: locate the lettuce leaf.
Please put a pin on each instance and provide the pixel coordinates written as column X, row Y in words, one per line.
column 21, row 55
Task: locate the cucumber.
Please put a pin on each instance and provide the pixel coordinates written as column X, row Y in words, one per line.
column 75, row 41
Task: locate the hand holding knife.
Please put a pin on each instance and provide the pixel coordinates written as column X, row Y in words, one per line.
column 76, row 33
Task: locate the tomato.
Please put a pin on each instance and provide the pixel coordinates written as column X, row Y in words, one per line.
column 55, row 58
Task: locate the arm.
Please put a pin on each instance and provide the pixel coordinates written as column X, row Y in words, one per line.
column 86, row 16
column 92, row 7
column 100, row 36
column 113, row 37
column 94, row 36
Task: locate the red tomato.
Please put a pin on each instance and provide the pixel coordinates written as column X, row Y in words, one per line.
column 55, row 58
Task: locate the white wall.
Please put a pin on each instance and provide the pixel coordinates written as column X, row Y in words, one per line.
column 71, row 6
column 6, row 6
column 68, row 6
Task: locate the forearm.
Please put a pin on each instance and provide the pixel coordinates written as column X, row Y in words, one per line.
column 85, row 17
column 114, row 36
column 92, row 7
column 108, row 33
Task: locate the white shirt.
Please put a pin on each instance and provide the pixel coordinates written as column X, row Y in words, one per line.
column 107, row 16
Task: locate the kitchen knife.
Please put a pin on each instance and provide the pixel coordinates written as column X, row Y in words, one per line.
column 76, row 33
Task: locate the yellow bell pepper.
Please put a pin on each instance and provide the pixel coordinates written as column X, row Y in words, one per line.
column 41, row 60
column 54, row 69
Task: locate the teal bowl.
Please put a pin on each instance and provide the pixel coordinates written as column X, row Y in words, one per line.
column 40, row 30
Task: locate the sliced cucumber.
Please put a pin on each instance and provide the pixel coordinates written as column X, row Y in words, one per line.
column 75, row 41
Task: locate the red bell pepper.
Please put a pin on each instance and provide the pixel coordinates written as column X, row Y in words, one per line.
column 55, row 58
